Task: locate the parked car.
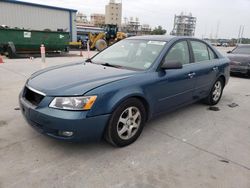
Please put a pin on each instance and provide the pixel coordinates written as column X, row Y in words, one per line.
column 225, row 44
column 240, row 59
column 116, row 92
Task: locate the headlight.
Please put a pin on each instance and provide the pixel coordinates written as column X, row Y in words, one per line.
column 73, row 103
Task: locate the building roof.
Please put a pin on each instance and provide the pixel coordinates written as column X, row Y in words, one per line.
column 37, row 5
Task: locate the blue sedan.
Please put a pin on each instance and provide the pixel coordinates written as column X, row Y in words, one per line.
column 114, row 94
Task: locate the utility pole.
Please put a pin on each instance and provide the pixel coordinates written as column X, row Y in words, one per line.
column 242, row 32
column 217, row 30
column 238, row 40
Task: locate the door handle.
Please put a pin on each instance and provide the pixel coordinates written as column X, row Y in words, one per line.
column 215, row 68
column 191, row 75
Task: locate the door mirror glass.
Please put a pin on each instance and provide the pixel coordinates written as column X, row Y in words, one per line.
column 171, row 65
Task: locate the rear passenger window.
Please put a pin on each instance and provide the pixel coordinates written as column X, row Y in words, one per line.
column 200, row 51
column 212, row 55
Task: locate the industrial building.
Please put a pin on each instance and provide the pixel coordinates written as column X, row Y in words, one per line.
column 17, row 14
column 132, row 25
column 145, row 29
column 81, row 18
column 184, row 25
column 97, row 19
column 113, row 13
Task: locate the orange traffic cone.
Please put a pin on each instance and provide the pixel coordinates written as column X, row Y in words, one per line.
column 1, row 59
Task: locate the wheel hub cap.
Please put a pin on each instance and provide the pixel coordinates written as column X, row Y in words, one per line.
column 217, row 91
column 129, row 123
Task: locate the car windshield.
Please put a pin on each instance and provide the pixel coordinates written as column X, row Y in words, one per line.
column 242, row 50
column 130, row 54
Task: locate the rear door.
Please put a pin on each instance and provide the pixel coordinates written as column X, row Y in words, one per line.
column 206, row 67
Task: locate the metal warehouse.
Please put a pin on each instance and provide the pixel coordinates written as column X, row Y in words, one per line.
column 37, row 17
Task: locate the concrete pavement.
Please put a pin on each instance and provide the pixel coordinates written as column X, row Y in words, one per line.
column 191, row 147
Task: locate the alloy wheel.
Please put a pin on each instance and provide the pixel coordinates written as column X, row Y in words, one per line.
column 129, row 123
column 217, row 91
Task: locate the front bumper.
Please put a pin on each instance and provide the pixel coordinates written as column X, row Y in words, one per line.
column 50, row 122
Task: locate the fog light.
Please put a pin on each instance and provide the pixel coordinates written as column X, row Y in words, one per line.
column 65, row 133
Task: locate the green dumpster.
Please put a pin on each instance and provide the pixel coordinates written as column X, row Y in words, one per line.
column 17, row 41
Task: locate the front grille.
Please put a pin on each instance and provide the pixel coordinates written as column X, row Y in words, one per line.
column 33, row 97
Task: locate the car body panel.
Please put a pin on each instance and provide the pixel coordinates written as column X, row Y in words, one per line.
column 76, row 78
column 49, row 121
column 207, row 73
column 240, row 63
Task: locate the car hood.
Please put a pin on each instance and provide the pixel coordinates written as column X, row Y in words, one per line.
column 75, row 79
column 241, row 58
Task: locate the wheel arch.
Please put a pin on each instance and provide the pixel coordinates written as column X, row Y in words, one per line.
column 223, row 79
column 139, row 97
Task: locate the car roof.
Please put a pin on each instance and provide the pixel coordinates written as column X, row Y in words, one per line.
column 165, row 38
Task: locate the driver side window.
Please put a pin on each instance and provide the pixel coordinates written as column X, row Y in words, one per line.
column 179, row 52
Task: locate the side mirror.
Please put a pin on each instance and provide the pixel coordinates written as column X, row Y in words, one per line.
column 229, row 52
column 172, row 65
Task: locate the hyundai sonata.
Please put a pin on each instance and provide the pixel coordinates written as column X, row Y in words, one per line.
column 114, row 94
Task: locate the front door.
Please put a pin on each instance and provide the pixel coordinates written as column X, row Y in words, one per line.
column 175, row 87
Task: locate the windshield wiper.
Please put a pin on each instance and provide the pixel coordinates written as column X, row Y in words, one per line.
column 110, row 65
column 89, row 60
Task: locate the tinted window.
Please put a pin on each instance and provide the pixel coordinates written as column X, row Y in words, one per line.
column 212, row 55
column 200, row 51
column 242, row 50
column 179, row 52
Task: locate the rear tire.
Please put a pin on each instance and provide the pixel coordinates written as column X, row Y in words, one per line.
column 126, row 123
column 216, row 92
column 10, row 53
column 66, row 49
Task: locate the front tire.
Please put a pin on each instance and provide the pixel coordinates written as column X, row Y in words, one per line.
column 216, row 92
column 126, row 123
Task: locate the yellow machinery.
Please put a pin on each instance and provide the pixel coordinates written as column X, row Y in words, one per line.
column 75, row 45
column 101, row 40
column 97, row 41
column 120, row 36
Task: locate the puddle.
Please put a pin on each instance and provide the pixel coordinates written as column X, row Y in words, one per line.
column 224, row 161
column 233, row 105
column 214, row 108
column 3, row 123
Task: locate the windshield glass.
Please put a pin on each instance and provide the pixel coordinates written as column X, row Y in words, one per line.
column 131, row 54
column 242, row 50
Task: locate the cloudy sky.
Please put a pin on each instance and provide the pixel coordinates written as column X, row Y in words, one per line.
column 226, row 15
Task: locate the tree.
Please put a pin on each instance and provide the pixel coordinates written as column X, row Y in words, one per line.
column 158, row 31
